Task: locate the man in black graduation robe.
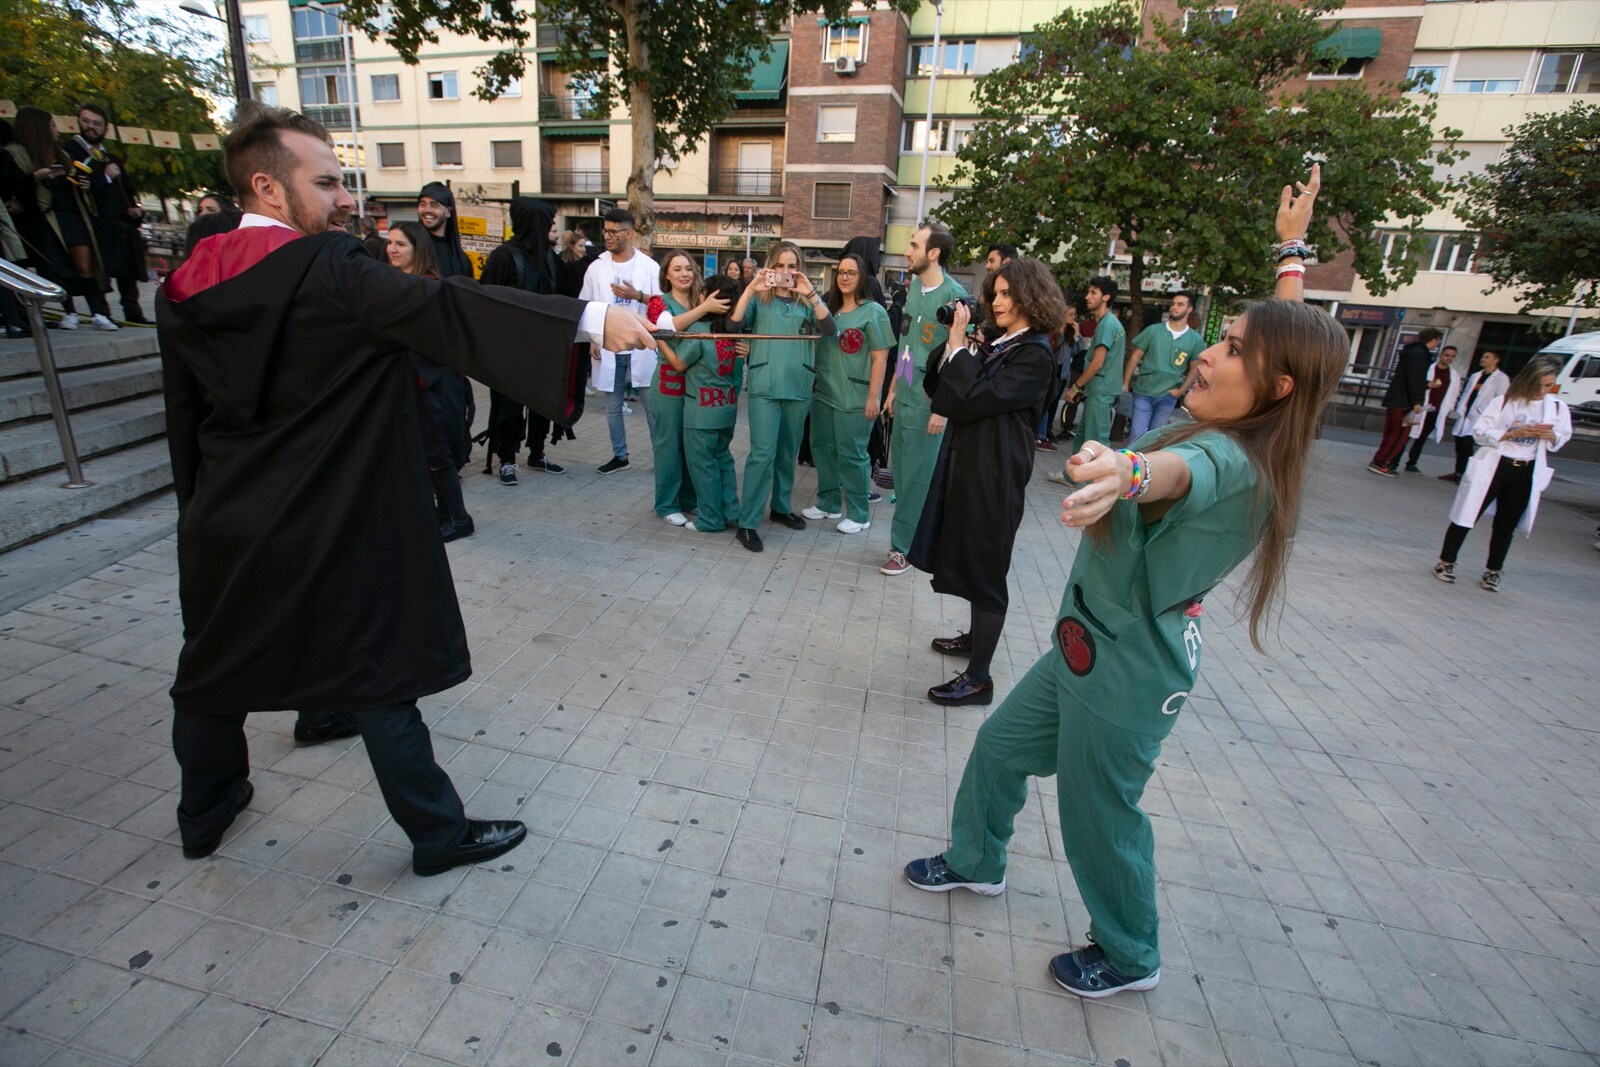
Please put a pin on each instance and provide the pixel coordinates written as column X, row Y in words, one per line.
column 311, row 573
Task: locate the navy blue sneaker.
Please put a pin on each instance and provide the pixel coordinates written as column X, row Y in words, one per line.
column 1086, row 973
column 934, row 875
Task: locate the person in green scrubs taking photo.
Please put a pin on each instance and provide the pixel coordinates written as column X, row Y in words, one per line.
column 1164, row 522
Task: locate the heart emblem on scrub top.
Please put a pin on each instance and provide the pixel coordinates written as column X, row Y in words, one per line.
column 1077, row 646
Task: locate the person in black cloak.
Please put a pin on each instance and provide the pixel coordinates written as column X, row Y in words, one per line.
column 310, row 570
column 993, row 396
column 529, row 262
column 436, row 210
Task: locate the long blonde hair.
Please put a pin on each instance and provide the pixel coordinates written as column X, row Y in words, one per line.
column 1528, row 385
column 696, row 286
column 1302, row 342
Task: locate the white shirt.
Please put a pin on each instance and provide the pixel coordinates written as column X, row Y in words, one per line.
column 643, row 273
column 591, row 326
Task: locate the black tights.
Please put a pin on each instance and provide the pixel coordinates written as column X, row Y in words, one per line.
column 447, row 488
column 986, row 627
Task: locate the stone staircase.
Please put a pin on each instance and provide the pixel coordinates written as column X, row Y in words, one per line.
column 112, row 384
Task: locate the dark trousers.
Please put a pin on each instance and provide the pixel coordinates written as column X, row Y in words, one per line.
column 1465, row 447
column 1509, row 490
column 215, row 760
column 1427, row 431
column 508, row 422
column 1394, row 437
column 128, row 291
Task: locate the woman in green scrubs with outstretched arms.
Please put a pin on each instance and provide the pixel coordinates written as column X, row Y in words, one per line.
column 1164, row 522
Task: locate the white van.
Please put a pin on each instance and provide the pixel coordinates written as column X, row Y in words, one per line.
column 1578, row 382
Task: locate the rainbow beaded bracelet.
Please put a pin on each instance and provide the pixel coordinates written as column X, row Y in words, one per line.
column 1141, row 474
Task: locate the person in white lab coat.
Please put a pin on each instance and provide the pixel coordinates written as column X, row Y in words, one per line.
column 1486, row 383
column 1444, row 387
column 1510, row 470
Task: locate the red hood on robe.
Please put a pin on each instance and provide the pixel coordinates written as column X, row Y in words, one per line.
column 226, row 255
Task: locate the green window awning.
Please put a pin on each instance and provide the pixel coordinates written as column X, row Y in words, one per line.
column 849, row 20
column 1354, row 42
column 768, row 77
column 574, row 131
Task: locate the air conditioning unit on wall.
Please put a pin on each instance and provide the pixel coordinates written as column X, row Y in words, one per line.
column 844, row 65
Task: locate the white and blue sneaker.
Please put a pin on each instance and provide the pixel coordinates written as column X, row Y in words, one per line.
column 1086, row 972
column 935, row 876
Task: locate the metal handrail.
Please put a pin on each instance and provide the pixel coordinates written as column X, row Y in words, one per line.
column 34, row 291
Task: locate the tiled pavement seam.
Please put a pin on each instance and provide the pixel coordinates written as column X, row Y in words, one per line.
column 1362, row 857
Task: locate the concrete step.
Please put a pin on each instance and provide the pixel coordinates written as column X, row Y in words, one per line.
column 29, row 447
column 35, row 506
column 78, row 348
column 25, row 398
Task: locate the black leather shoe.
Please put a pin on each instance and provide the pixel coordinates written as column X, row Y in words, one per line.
column 963, row 689
column 329, row 726
column 241, row 800
column 959, row 645
column 484, row 841
column 749, row 539
column 791, row 520
column 455, row 531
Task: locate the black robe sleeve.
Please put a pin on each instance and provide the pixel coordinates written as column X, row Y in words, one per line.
column 968, row 392
column 187, row 408
column 515, row 342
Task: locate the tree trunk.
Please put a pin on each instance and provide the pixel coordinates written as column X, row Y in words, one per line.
column 642, row 119
column 1135, row 291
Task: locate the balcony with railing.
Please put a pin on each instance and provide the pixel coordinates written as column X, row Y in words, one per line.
column 332, row 116
column 322, row 50
column 747, row 183
column 569, row 107
column 561, row 180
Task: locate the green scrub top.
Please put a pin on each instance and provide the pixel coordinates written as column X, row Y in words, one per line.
column 1128, row 630
column 712, row 400
column 1107, row 381
column 922, row 334
column 1166, row 358
column 781, row 370
column 844, row 361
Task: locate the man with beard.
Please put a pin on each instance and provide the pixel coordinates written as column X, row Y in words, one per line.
column 311, row 573
column 446, row 391
column 1101, row 381
column 528, row 261
column 117, row 210
column 1157, row 372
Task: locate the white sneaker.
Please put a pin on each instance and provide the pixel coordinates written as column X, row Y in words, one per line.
column 100, row 322
column 68, row 322
column 817, row 513
column 677, row 518
column 850, row 526
column 626, row 410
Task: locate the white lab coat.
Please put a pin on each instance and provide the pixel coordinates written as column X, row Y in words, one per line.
column 1446, row 403
column 645, row 275
column 1497, row 385
column 1492, row 425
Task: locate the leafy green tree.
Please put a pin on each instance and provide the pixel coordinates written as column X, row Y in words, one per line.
column 675, row 64
column 1537, row 211
column 1177, row 141
column 57, row 56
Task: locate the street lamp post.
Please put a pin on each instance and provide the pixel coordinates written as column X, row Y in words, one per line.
column 345, row 29
column 238, row 60
column 927, row 132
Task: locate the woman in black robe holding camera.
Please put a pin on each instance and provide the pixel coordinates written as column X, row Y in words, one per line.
column 992, row 395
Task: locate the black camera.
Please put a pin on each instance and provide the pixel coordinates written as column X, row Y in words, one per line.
column 947, row 314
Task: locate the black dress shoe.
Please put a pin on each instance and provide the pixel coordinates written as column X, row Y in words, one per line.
column 316, row 729
column 484, row 841
column 241, row 800
column 455, row 531
column 963, row 689
column 15, row 332
column 749, row 539
column 959, row 645
column 791, row 520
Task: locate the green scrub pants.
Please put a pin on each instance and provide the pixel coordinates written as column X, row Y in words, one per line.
column 1094, row 421
column 775, row 430
column 1101, row 769
column 674, row 493
column 913, row 451
column 711, row 472
column 839, row 448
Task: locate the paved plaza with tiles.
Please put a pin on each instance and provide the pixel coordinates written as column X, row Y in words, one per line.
column 1377, row 843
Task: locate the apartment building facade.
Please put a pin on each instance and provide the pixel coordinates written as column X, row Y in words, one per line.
column 827, row 144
